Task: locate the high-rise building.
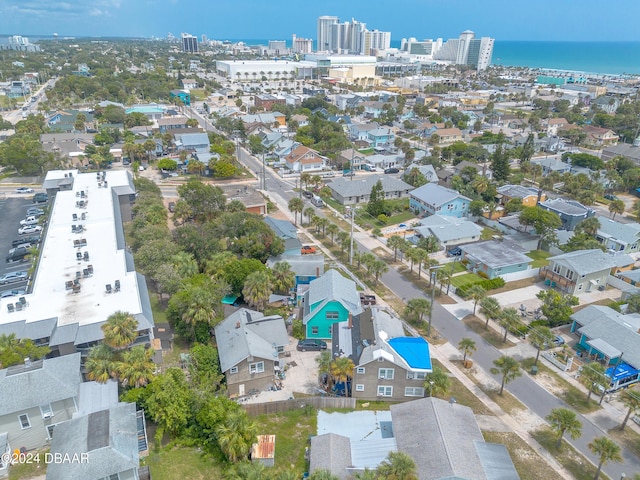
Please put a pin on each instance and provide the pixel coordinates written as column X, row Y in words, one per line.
column 278, row 47
column 204, row 39
column 375, row 40
column 301, row 45
column 467, row 50
column 189, row 43
column 325, row 24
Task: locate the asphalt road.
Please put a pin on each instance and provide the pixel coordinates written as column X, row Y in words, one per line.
column 530, row 393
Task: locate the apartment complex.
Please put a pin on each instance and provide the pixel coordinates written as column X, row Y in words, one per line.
column 189, row 43
column 464, row 50
column 349, row 37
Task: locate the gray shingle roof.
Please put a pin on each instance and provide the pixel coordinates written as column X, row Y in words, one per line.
column 301, row 265
column 584, row 262
column 331, row 452
column 94, row 397
column 496, row 254
column 440, row 437
column 189, row 139
column 247, row 333
column 333, row 287
column 282, row 228
column 566, row 207
column 619, row 331
column 362, row 186
column 446, row 229
column 517, row 191
column 110, row 437
column 427, row 170
column 45, row 381
column 627, row 232
column 436, row 195
column 392, row 328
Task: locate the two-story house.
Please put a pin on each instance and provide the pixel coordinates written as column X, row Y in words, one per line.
column 35, row 396
column 431, row 199
column 529, row 196
column 618, row 237
column 330, row 299
column 578, row 272
column 380, row 136
column 598, row 136
column 449, row 135
column 304, row 159
column 570, row 212
column 388, row 364
column 174, row 122
column 249, row 345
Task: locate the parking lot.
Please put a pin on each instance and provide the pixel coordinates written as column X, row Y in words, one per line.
column 13, row 208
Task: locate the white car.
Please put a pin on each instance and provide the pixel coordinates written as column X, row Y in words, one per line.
column 26, row 229
column 24, row 190
column 30, row 220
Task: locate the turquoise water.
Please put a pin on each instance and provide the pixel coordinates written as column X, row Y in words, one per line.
column 595, row 57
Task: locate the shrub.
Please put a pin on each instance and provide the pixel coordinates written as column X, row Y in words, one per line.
column 297, row 330
column 482, row 274
column 487, row 284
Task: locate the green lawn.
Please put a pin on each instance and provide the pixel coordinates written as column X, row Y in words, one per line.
column 461, row 280
column 488, row 233
column 182, row 462
column 292, row 430
column 539, row 258
column 198, row 94
column 331, row 202
column 401, row 217
column 159, row 315
column 457, row 267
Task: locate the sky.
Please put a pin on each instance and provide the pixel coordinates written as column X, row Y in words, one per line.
column 549, row 20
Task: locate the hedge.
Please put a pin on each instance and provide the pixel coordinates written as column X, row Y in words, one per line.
column 488, row 284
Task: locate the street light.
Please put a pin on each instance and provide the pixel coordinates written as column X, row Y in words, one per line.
column 432, row 271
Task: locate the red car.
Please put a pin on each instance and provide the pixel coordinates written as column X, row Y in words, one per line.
column 308, row 249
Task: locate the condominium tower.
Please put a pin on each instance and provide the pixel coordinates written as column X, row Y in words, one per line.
column 189, row 43
column 350, row 37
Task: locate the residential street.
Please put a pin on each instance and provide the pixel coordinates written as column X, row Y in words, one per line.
column 530, row 393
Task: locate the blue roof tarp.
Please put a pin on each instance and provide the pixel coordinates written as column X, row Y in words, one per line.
column 623, row 370
column 414, row 351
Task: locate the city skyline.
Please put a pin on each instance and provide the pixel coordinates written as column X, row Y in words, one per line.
column 550, row 20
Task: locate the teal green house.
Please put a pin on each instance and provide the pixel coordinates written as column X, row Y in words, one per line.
column 330, row 299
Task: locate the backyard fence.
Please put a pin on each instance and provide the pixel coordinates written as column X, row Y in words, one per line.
column 287, row 405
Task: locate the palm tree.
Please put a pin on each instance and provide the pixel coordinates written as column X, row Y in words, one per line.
column 200, row 309
column 542, row 338
column 322, row 223
column 257, row 289
column 247, row 471
column 377, row 268
column 343, row 239
column 593, row 377
column 120, row 329
column 416, row 308
column 589, row 225
column 342, row 371
column 283, row 277
column 509, row 319
column 438, row 381
column 419, row 256
column 467, row 346
column 304, row 180
column 332, row 229
column 398, row 466
column 476, row 293
column 616, row 206
column 564, row 420
column 631, row 399
column 490, row 308
column 395, row 242
column 99, row 364
column 296, row 206
column 508, row 367
column 366, row 474
column 235, row 435
column 607, row 450
column 309, row 212
column 136, row 368
column 324, row 365
column 195, row 166
column 411, row 255
column 322, row 474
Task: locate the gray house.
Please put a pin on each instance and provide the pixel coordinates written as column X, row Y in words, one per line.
column 570, row 212
column 104, row 442
column 358, row 190
column 389, row 365
column 35, row 397
column 579, row 271
column 249, row 345
column 448, row 231
column 618, row 237
column 286, row 231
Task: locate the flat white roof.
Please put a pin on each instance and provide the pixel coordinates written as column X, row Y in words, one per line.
column 59, row 262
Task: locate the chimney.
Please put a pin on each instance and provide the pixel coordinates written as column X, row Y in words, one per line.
column 350, row 321
column 317, row 272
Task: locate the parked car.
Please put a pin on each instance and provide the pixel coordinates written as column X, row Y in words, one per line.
column 26, row 229
column 11, row 293
column 17, row 254
column 311, row 344
column 558, row 341
column 172, row 207
column 24, row 190
column 40, row 198
column 32, row 240
column 454, row 252
column 392, row 170
column 30, row 220
column 308, row 249
column 35, row 211
column 13, row 277
column 307, row 194
column 608, row 196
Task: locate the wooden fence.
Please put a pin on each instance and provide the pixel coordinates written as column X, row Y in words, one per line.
column 286, row 405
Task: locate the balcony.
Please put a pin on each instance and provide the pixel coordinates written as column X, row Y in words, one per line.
column 555, row 280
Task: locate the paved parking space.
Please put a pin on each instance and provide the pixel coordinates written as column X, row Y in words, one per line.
column 12, row 210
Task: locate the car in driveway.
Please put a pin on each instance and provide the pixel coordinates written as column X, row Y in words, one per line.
column 558, row 341
column 27, row 229
column 608, row 196
column 11, row 293
column 13, row 277
column 454, row 252
column 308, row 249
column 172, row 207
column 311, row 344
column 24, row 190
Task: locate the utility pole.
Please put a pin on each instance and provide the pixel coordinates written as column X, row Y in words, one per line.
column 353, row 212
column 432, row 271
column 264, row 173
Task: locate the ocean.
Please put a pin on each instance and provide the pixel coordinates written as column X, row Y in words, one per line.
column 614, row 58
